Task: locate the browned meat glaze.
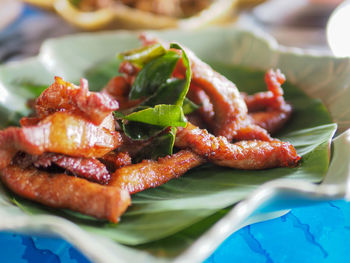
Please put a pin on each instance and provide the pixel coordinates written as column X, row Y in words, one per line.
column 75, row 129
column 230, row 111
column 206, row 110
column 119, row 88
column 61, row 132
column 29, row 121
column 248, row 155
column 229, row 117
column 115, row 160
column 271, row 121
column 89, row 168
column 149, row 173
column 64, row 191
column 65, row 96
column 268, row 109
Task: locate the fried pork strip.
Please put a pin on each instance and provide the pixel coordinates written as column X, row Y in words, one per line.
column 89, row 168
column 230, row 110
column 115, row 160
column 268, row 109
column 64, row 191
column 119, row 88
column 271, row 121
column 149, row 173
column 247, row 155
column 61, row 132
column 65, row 96
column 206, row 110
column 230, row 118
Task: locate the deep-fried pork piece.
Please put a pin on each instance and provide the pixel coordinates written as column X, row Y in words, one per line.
column 64, row 191
column 271, row 99
column 65, row 96
column 247, row 155
column 230, row 111
column 269, row 109
column 89, row 168
column 271, row 121
column 61, row 132
column 149, row 173
column 206, row 110
column 115, row 160
column 130, row 71
column 119, row 88
column 29, row 121
column 132, row 147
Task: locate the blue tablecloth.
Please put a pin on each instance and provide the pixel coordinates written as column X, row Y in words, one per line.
column 319, row 233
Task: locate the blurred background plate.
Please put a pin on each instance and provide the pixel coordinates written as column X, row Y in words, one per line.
column 122, row 16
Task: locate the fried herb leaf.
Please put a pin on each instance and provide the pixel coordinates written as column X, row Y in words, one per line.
column 143, row 55
column 139, row 131
column 161, row 145
column 153, row 75
column 189, row 106
column 161, row 115
column 186, row 63
column 168, row 93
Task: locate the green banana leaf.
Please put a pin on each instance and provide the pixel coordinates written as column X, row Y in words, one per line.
column 166, row 221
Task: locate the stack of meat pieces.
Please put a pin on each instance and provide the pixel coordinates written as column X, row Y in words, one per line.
column 70, row 155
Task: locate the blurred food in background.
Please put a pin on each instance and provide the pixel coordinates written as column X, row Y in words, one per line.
column 172, row 8
column 141, row 14
column 297, row 23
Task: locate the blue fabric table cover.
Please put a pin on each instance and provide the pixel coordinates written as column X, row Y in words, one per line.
column 318, row 233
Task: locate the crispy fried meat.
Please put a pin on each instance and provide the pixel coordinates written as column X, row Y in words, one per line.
column 272, row 121
column 229, row 117
column 149, row 173
column 64, row 191
column 29, row 121
column 75, row 129
column 268, row 109
column 89, row 168
column 230, row 111
column 206, row 110
column 65, row 96
column 61, row 132
column 119, row 88
column 115, row 160
column 247, row 155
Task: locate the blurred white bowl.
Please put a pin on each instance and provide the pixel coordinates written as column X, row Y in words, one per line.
column 338, row 30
